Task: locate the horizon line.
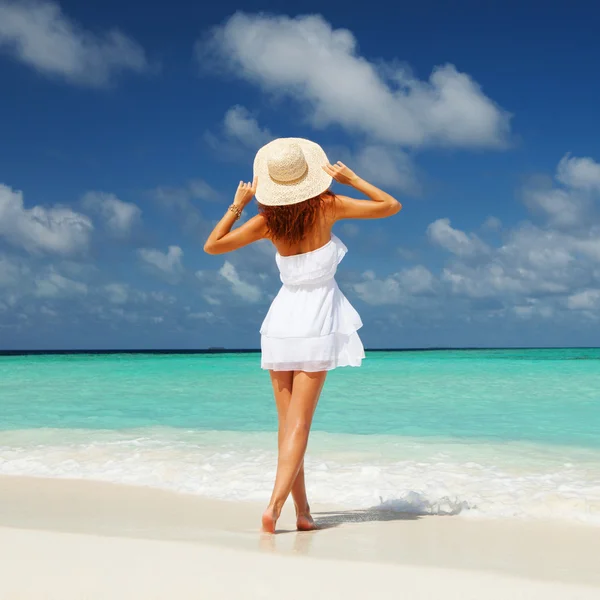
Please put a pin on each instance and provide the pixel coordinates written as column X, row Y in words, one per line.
column 224, row 350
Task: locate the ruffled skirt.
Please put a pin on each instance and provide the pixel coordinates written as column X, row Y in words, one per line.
column 311, row 328
column 312, row 354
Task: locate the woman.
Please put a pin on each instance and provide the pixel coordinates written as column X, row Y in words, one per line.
column 310, row 327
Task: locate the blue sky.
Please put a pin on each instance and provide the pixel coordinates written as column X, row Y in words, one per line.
column 126, row 128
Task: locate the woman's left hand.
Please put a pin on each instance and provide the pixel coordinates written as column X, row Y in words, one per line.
column 245, row 193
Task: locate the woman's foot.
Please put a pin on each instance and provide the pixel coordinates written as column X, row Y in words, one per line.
column 304, row 522
column 269, row 519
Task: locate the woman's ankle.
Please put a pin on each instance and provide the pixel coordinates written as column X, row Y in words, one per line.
column 302, row 509
column 275, row 507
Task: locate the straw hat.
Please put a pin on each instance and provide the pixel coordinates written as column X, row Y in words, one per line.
column 290, row 170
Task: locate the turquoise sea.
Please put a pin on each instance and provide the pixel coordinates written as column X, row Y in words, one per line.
column 481, row 433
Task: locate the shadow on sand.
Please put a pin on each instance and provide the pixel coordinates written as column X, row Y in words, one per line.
column 327, row 520
column 303, row 540
column 330, row 519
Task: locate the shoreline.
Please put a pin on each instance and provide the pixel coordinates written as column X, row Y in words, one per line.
column 108, row 518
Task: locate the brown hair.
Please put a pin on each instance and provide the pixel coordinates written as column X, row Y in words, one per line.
column 294, row 221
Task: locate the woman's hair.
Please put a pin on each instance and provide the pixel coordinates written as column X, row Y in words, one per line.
column 294, row 221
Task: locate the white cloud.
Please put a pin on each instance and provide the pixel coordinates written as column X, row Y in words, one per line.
column 532, row 262
column 207, row 316
column 387, row 167
column 48, row 312
column 123, row 293
column 305, row 58
column 416, row 280
column 573, row 205
column 384, row 165
column 495, row 280
column 57, row 230
column 117, row 293
column 162, row 297
column 37, row 33
column 239, row 135
column 562, row 208
column 588, row 243
column 181, row 197
column 76, row 269
column 379, row 291
column 169, row 263
column 550, row 270
column 35, row 289
column 239, row 124
column 581, row 173
column 120, row 217
column 11, row 272
column 244, row 290
column 543, row 250
column 586, row 300
column 399, row 288
column 201, row 315
column 456, row 241
column 54, row 285
column 534, row 309
column 180, row 200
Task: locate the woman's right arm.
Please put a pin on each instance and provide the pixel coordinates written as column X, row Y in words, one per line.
column 380, row 205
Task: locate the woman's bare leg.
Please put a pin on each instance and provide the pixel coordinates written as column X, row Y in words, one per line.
column 306, row 389
column 282, row 388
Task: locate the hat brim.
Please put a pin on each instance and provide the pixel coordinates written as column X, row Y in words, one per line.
column 314, row 182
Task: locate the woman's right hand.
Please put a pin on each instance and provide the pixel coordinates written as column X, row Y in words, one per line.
column 341, row 173
column 245, row 193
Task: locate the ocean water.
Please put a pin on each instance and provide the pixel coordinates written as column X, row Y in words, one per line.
column 480, row 433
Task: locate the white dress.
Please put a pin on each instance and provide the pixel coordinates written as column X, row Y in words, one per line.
column 311, row 325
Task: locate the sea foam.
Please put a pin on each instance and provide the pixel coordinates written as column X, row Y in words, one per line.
column 425, row 476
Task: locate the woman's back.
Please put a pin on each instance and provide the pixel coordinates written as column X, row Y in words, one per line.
column 317, row 236
column 312, row 241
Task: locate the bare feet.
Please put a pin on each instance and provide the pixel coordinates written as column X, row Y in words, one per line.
column 269, row 520
column 304, row 522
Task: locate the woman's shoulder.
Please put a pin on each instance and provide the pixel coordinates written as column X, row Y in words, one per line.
column 257, row 222
column 257, row 226
column 329, row 202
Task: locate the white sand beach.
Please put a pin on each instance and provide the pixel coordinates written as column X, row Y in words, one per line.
column 69, row 539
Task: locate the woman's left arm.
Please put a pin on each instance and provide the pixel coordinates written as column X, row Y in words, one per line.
column 222, row 239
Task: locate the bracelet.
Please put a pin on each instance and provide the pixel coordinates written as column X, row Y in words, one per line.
column 235, row 209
